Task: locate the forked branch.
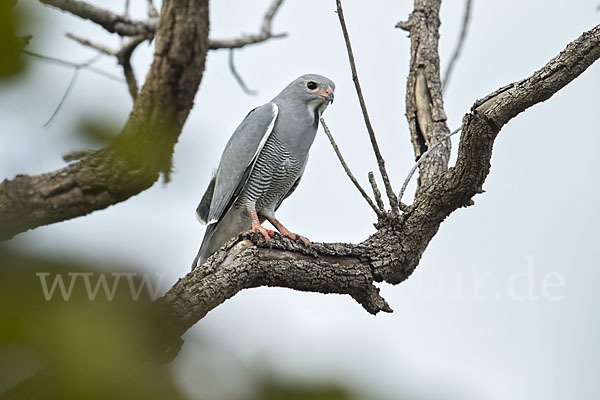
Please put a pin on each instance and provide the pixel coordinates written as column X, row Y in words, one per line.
column 264, row 34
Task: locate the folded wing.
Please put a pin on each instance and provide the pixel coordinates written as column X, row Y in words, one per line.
column 237, row 161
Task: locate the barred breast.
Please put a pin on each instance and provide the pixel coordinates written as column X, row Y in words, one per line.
column 273, row 175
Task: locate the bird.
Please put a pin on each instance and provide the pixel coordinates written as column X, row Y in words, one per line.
column 262, row 165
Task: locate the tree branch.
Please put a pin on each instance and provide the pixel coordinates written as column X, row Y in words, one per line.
column 348, row 172
column 123, row 57
column 84, row 65
column 376, row 192
column 459, row 44
column 421, row 159
column 125, row 26
column 264, row 34
column 132, row 162
column 85, row 42
column 380, row 161
column 424, row 103
column 327, row 268
column 392, row 253
column 110, row 21
column 456, row 187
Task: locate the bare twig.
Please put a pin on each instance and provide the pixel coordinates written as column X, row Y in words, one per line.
column 124, row 58
column 265, row 32
column 348, row 172
column 88, row 43
column 64, row 97
column 421, row 159
column 78, row 68
column 110, row 21
column 459, row 44
column 71, row 64
column 376, row 192
column 132, row 85
column 238, row 77
column 380, row 161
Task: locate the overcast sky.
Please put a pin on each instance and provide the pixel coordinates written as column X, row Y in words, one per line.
column 504, row 302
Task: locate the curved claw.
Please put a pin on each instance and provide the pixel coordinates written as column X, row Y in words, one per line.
column 266, row 233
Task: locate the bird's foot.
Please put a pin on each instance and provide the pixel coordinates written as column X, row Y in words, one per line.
column 295, row 237
column 266, row 233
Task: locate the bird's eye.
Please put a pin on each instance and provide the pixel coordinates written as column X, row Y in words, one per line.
column 311, row 85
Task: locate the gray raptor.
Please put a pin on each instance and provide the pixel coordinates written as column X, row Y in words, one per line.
column 262, row 164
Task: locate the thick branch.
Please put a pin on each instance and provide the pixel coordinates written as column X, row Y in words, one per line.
column 110, row 21
column 125, row 26
column 456, row 187
column 332, row 268
column 424, row 103
column 133, row 161
column 491, row 113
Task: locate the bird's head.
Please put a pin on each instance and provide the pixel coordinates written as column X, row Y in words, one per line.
column 314, row 90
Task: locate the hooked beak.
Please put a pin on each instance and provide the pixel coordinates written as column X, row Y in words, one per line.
column 327, row 94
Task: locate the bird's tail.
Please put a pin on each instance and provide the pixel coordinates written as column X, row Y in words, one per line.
column 204, row 251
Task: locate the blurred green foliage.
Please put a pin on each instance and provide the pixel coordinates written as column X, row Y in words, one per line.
column 10, row 44
column 97, row 129
column 275, row 390
column 87, row 349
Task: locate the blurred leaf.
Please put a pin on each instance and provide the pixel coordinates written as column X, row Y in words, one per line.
column 10, row 45
column 98, row 129
column 279, row 390
column 92, row 347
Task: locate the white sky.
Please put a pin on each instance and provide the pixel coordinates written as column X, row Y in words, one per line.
column 446, row 339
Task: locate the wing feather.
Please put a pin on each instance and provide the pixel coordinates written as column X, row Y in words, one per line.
column 239, row 157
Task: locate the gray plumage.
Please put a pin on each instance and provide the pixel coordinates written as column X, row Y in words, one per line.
column 262, row 163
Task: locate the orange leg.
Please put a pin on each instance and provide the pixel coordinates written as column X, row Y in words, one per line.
column 284, row 232
column 258, row 228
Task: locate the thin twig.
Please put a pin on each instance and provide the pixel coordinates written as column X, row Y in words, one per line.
column 124, row 59
column 64, row 97
column 71, row 64
column 348, row 172
column 376, row 192
column 70, row 86
column 77, row 68
column 126, row 8
column 238, row 77
column 132, row 85
column 88, row 43
column 459, row 44
column 265, row 32
column 380, row 161
column 420, row 160
column 123, row 56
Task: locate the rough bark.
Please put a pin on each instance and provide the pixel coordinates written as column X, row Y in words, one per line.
column 394, row 251
column 424, row 101
column 110, row 21
column 144, row 147
column 133, row 161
